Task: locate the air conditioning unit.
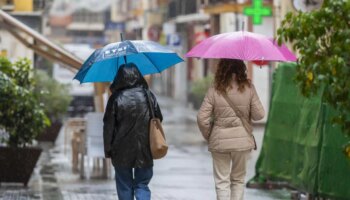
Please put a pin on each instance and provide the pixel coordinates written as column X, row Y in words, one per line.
column 8, row 7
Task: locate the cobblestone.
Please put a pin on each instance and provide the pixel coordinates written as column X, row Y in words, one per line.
column 87, row 196
column 19, row 194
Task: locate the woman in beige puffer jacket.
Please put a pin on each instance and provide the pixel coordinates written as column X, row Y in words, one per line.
column 229, row 141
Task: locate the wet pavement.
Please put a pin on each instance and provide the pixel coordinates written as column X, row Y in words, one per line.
column 184, row 174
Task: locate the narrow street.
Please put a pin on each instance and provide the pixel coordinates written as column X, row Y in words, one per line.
column 185, row 173
column 61, row 61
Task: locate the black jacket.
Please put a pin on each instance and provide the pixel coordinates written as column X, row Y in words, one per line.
column 126, row 120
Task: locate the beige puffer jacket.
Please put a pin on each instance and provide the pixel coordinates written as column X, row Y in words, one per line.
column 227, row 132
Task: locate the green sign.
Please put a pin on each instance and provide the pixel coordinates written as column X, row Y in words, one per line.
column 257, row 11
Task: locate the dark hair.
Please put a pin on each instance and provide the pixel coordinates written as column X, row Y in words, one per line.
column 128, row 76
column 224, row 75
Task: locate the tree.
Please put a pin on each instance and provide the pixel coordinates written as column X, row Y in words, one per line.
column 322, row 38
column 53, row 95
column 21, row 115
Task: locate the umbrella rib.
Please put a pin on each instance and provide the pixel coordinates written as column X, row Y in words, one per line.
column 131, row 44
column 151, row 62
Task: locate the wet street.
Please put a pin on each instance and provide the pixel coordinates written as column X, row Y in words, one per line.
column 185, row 173
column 62, row 60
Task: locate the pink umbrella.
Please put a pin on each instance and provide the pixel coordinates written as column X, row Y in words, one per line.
column 242, row 45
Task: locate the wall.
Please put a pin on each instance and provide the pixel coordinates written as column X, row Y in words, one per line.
column 14, row 48
column 23, row 5
column 230, row 22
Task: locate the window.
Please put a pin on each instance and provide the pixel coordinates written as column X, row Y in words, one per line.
column 39, row 4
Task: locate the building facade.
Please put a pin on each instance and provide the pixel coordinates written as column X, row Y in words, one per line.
column 31, row 13
column 190, row 21
column 80, row 22
column 185, row 25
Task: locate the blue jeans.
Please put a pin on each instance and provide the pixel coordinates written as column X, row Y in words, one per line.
column 133, row 182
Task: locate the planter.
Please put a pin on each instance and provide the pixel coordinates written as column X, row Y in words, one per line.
column 17, row 164
column 196, row 102
column 50, row 134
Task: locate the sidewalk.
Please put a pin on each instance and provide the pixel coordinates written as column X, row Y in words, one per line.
column 185, row 173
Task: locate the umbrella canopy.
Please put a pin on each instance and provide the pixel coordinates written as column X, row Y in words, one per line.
column 242, row 45
column 103, row 64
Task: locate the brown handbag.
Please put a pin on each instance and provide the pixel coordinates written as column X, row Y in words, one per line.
column 158, row 145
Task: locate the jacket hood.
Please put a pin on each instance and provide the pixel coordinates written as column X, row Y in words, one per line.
column 128, row 76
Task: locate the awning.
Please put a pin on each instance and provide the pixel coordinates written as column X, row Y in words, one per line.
column 224, row 8
column 228, row 7
column 39, row 44
column 76, row 26
column 192, row 18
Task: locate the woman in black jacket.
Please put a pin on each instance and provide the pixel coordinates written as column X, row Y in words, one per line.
column 126, row 133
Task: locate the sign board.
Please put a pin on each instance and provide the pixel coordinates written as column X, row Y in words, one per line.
column 257, row 11
column 119, row 26
column 3, row 53
column 200, row 36
column 173, row 39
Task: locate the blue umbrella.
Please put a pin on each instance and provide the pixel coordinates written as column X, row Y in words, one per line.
column 103, row 64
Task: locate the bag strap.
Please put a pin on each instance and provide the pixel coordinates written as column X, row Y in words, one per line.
column 239, row 114
column 148, row 96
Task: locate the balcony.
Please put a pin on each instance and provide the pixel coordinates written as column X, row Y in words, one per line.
column 182, row 7
column 224, row 6
column 23, row 6
column 39, row 5
column 221, row 1
column 213, row 2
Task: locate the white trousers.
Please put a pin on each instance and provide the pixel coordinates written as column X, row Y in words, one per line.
column 229, row 174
